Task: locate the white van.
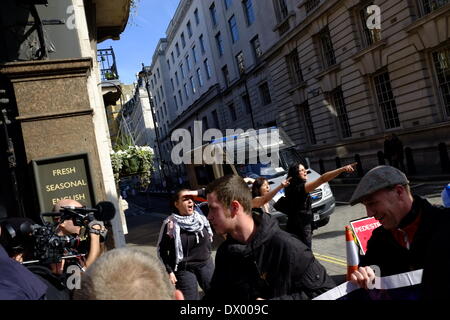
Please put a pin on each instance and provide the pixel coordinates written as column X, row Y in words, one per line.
column 323, row 203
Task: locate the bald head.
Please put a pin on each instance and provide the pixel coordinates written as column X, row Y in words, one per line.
column 66, row 203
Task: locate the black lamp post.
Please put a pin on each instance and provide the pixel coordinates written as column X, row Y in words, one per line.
column 144, row 74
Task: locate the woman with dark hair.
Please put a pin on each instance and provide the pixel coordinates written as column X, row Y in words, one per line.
column 262, row 195
column 297, row 194
column 184, row 246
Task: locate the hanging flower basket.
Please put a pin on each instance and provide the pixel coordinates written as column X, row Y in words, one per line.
column 133, row 160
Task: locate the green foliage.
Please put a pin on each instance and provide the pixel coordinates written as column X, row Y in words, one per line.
column 133, row 160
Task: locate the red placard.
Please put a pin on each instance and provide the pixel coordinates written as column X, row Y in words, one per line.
column 363, row 228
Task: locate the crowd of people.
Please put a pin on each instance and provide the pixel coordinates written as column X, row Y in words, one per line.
column 256, row 259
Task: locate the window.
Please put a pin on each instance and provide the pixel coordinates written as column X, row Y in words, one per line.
column 173, row 58
column 281, row 10
column 177, row 48
column 386, row 100
column 219, row 43
column 171, row 82
column 369, row 36
column 256, row 48
column 194, row 55
column 295, row 71
column 215, row 119
column 197, row 19
column 159, row 74
column 207, row 69
column 337, row 99
column 168, row 64
column 326, row 46
column 186, row 91
column 212, row 11
column 248, row 10
column 162, row 92
column 428, row 6
column 305, row 112
column 265, row 93
column 180, row 97
column 194, row 90
column 246, row 102
column 183, row 40
column 310, row 5
column 176, row 78
column 232, row 112
column 226, row 75
column 227, row 3
column 240, row 62
column 188, row 63
column 199, row 78
column 202, row 44
column 205, row 123
column 441, row 60
column 189, row 29
column 182, row 71
column 233, row 29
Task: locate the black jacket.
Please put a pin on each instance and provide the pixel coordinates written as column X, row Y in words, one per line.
column 195, row 254
column 18, row 283
column 429, row 250
column 274, row 265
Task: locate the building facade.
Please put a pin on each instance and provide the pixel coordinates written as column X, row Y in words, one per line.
column 52, row 99
column 336, row 77
column 342, row 86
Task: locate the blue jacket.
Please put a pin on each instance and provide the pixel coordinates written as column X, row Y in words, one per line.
column 17, row 282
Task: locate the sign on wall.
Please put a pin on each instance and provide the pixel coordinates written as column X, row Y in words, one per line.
column 64, row 177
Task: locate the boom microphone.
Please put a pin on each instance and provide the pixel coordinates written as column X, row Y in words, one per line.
column 105, row 211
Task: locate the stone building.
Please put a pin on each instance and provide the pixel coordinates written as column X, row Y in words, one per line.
column 52, row 99
column 336, row 77
column 341, row 87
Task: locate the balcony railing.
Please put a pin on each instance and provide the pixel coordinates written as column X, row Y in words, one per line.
column 107, row 63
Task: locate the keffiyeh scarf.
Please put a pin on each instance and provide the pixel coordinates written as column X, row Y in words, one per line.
column 194, row 223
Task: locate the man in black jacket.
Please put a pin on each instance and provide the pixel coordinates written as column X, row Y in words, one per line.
column 413, row 234
column 257, row 260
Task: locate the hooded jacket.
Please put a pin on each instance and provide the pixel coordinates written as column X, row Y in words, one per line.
column 273, row 265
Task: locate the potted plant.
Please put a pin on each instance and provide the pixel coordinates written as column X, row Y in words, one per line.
column 133, row 160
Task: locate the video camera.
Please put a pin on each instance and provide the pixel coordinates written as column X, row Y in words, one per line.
column 81, row 216
column 43, row 243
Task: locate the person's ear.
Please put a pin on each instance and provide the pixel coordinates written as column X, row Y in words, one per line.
column 178, row 295
column 234, row 207
column 399, row 190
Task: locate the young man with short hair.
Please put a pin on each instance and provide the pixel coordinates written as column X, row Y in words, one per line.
column 257, row 260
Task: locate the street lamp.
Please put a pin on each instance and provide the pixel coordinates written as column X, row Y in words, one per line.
column 144, row 74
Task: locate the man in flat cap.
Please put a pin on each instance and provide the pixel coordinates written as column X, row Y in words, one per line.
column 413, row 234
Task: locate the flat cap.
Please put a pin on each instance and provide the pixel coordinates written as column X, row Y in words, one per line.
column 376, row 179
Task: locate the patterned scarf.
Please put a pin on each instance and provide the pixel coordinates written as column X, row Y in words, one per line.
column 194, row 223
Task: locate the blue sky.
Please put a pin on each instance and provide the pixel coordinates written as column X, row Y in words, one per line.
column 137, row 43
